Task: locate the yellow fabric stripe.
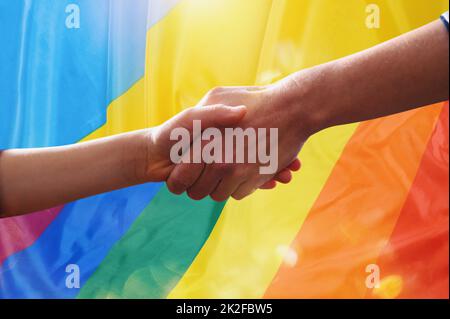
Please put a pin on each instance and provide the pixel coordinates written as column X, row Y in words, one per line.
column 182, row 66
column 245, row 249
column 202, row 44
column 165, row 92
column 126, row 113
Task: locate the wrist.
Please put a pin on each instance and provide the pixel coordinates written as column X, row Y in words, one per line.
column 307, row 94
column 295, row 101
column 136, row 155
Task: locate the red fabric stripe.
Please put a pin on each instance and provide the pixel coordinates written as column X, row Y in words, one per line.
column 18, row 233
column 417, row 254
column 356, row 212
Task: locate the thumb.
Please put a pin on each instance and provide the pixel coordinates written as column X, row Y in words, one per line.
column 215, row 115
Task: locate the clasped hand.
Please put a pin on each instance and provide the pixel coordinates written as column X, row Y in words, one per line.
column 229, row 107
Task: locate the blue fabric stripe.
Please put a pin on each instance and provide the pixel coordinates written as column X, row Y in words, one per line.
column 55, row 82
column 55, row 86
column 82, row 234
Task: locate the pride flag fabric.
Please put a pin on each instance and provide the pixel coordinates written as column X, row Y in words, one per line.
column 368, row 194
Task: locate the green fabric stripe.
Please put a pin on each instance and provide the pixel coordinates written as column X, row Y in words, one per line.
column 157, row 250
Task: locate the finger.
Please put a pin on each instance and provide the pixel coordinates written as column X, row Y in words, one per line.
column 231, row 94
column 208, row 181
column 185, row 173
column 295, row 165
column 225, row 189
column 244, row 190
column 269, row 185
column 285, row 176
column 213, row 116
column 183, row 176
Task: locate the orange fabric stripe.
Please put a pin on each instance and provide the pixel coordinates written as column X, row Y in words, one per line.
column 355, row 214
column 415, row 262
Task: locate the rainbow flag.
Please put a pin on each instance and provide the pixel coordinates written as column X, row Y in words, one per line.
column 372, row 193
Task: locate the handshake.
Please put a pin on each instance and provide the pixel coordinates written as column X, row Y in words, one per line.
column 377, row 82
column 236, row 140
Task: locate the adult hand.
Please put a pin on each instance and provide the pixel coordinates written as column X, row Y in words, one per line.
column 335, row 93
column 268, row 107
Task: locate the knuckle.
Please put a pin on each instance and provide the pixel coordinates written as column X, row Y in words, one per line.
column 189, row 111
column 214, row 95
column 217, row 90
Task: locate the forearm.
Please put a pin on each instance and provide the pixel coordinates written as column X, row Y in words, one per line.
column 35, row 179
column 404, row 73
